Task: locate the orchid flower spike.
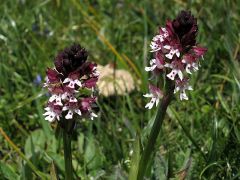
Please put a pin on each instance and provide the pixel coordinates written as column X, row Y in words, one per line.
column 66, row 82
column 177, row 53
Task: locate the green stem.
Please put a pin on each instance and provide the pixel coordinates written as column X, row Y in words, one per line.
column 147, row 153
column 67, row 155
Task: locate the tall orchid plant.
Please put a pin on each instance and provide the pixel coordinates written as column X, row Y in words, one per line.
column 176, row 57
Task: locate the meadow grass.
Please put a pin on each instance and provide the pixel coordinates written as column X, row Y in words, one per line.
column 200, row 138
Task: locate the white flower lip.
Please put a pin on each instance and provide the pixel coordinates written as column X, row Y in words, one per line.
column 51, row 115
column 182, row 86
column 72, row 82
column 155, row 96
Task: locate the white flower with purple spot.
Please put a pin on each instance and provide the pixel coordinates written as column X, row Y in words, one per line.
column 57, row 99
column 152, row 65
column 172, row 51
column 53, row 112
column 95, row 72
column 177, row 68
column 72, row 82
column 191, row 63
column 71, row 110
column 155, row 95
column 157, row 40
column 190, row 66
column 182, row 86
column 164, row 32
column 72, row 99
column 155, row 46
column 158, row 62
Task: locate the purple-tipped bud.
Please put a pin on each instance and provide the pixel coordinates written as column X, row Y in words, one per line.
column 185, row 26
column 70, row 59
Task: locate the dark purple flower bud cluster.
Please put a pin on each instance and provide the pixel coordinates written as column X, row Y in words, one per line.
column 71, row 59
column 72, row 85
column 176, row 51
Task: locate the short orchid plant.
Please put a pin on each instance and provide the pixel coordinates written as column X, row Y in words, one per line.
column 72, row 87
column 176, row 56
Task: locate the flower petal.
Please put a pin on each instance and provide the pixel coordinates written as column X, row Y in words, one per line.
column 180, row 74
column 78, row 112
column 183, row 95
column 93, row 115
column 172, row 74
column 148, row 95
column 66, row 80
column 53, row 97
column 188, row 67
column 77, row 82
column 150, row 104
column 69, row 115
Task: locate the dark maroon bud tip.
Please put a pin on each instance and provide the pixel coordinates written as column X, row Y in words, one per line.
column 185, row 26
column 70, row 59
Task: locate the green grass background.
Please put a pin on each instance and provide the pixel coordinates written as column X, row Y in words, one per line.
column 200, row 138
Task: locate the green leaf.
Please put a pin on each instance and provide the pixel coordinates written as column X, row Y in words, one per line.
column 35, row 143
column 52, row 144
column 7, row 171
column 93, row 156
column 224, row 103
column 57, row 159
column 53, row 172
column 81, row 143
column 135, row 160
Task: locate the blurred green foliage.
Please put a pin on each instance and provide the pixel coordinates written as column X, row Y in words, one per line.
column 200, row 138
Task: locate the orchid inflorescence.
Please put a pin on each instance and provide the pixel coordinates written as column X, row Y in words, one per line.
column 72, row 85
column 176, row 53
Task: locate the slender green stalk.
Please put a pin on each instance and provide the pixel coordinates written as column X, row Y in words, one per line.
column 67, row 155
column 148, row 151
